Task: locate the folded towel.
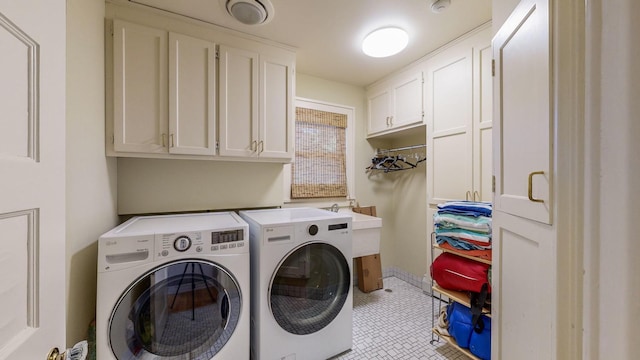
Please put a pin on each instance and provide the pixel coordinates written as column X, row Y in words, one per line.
column 467, row 208
column 463, row 234
column 449, row 221
column 461, row 243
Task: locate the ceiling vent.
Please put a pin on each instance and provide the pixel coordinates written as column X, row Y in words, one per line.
column 438, row 6
column 250, row 12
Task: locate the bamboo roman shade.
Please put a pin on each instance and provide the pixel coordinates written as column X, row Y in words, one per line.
column 319, row 170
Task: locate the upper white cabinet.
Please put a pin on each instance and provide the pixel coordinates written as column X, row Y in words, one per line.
column 140, row 111
column 168, row 102
column 192, row 95
column 458, row 106
column 395, row 104
column 256, row 112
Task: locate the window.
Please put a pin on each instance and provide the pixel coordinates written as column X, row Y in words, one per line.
column 322, row 167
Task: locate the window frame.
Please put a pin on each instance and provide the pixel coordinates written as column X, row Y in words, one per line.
column 350, row 112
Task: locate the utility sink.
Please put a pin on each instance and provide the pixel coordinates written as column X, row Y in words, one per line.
column 366, row 233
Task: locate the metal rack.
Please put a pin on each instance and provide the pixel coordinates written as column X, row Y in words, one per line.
column 384, row 161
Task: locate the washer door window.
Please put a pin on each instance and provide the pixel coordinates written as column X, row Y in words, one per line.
column 310, row 288
column 181, row 310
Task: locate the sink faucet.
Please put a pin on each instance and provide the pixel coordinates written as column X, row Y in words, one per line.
column 335, row 207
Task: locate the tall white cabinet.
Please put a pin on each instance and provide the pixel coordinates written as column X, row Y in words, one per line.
column 168, row 102
column 459, row 121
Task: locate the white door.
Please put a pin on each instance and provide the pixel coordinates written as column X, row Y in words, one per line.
column 32, row 185
column 449, row 102
column 140, row 88
column 524, row 244
column 238, row 102
column 521, row 50
column 192, row 95
column 482, row 120
column 379, row 105
column 407, row 101
column 276, row 113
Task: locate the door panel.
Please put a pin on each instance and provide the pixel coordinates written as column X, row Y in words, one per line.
column 523, row 288
column 522, row 86
column 407, row 101
column 192, row 94
column 524, row 244
column 276, row 114
column 379, row 111
column 140, row 88
column 238, row 102
column 449, row 102
column 32, row 188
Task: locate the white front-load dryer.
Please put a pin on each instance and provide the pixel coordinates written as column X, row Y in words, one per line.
column 302, row 298
column 174, row 287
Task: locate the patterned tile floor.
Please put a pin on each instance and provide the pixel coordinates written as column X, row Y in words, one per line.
column 395, row 325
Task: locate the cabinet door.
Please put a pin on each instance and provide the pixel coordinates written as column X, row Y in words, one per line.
column 379, row 102
column 276, row 107
column 191, row 96
column 522, row 89
column 140, row 88
column 449, row 104
column 407, row 101
column 482, row 118
column 238, row 102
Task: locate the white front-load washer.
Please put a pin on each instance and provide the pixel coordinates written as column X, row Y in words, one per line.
column 302, row 298
column 174, row 287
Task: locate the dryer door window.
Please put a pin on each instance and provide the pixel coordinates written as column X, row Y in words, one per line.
column 309, row 288
column 181, row 310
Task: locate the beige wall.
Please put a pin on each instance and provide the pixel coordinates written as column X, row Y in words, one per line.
column 400, row 198
column 153, row 185
column 500, row 11
column 91, row 178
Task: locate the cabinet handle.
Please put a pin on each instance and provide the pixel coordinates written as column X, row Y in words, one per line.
column 254, row 146
column 467, row 195
column 164, row 142
column 172, row 142
column 387, row 121
column 474, row 195
column 390, row 120
column 530, row 191
column 261, row 146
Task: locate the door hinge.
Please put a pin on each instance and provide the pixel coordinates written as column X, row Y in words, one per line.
column 217, row 146
column 111, row 28
column 493, row 67
column 217, row 54
column 113, row 138
column 493, row 183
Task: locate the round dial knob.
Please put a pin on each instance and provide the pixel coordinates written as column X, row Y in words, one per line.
column 313, row 229
column 182, row 243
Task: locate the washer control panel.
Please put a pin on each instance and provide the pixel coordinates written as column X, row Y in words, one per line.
column 201, row 242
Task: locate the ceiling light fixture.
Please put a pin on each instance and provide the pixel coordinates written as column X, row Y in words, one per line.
column 250, row 12
column 385, row 42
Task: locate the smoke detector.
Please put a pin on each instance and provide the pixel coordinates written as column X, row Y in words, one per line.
column 438, row 6
column 250, row 12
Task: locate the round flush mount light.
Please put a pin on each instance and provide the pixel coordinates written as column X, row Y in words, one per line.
column 385, row 42
column 250, row 12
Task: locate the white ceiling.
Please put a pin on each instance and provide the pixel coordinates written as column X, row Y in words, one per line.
column 327, row 33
